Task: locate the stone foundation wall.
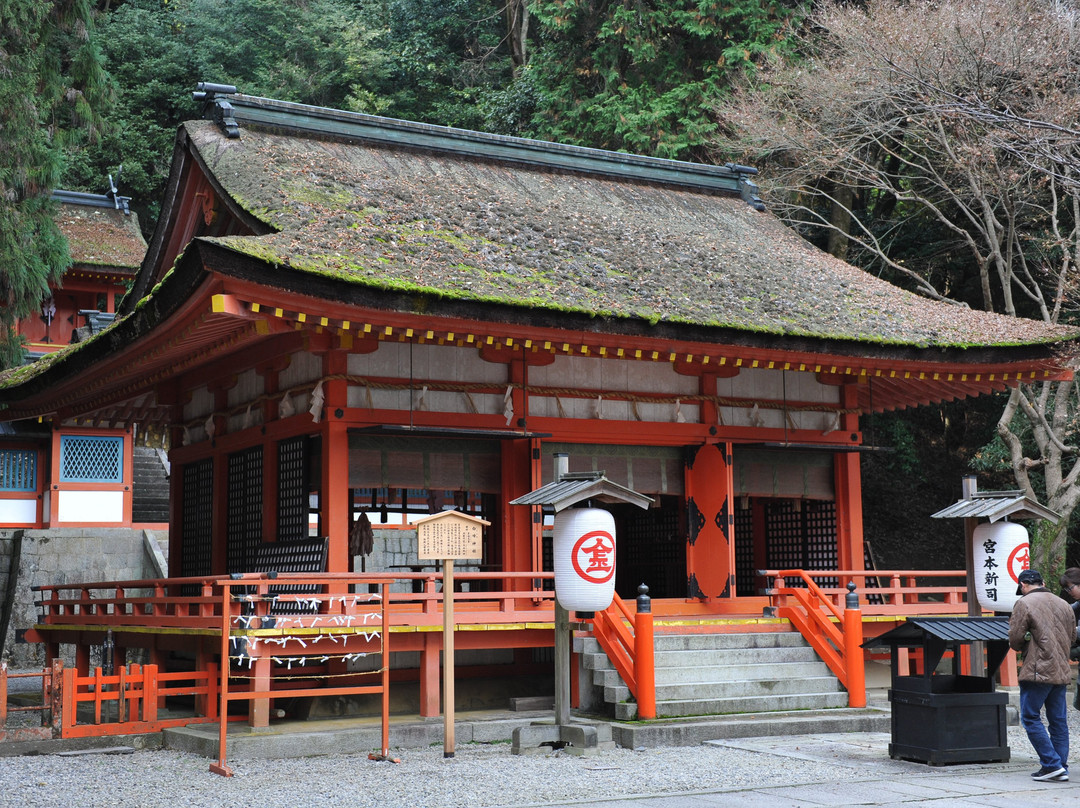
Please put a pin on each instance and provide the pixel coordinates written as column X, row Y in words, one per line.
column 394, row 551
column 75, row 555
column 60, row 556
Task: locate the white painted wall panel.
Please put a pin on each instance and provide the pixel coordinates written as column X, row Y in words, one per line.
column 200, row 405
column 249, row 386
column 427, row 363
column 91, row 506
column 18, row 511
column 303, row 367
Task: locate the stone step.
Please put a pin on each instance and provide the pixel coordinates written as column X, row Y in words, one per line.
column 704, row 642
column 695, row 731
column 736, row 656
column 707, row 642
column 626, row 711
column 723, row 673
column 756, row 688
column 680, row 659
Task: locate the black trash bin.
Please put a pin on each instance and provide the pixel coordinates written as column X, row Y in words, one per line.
column 940, row 718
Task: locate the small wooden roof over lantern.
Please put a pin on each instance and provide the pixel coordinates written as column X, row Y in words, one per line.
column 574, row 487
column 995, row 505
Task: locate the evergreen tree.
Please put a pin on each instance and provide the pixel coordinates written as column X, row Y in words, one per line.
column 52, row 89
column 640, row 75
column 319, row 52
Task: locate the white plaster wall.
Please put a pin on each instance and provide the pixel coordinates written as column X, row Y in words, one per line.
column 18, row 511
column 90, row 506
column 619, row 375
column 428, row 362
column 200, row 405
column 777, row 385
column 303, row 367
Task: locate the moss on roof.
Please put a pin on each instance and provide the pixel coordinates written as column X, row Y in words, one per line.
column 489, row 232
column 102, row 237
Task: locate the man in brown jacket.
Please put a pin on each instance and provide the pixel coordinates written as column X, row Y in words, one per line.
column 1042, row 627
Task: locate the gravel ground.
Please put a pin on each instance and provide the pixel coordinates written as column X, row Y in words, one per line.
column 479, row 776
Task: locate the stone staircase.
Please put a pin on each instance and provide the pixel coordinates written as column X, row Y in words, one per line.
column 720, row 674
column 150, row 491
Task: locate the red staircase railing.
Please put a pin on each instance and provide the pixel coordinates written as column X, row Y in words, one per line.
column 627, row 639
column 835, row 634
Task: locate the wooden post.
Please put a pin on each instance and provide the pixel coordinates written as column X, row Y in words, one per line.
column 448, row 657
column 976, row 650
column 645, row 655
column 854, row 660
column 449, row 535
column 562, row 665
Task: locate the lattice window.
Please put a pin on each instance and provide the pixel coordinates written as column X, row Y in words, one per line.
column 196, row 531
column 292, row 516
column 802, row 538
column 745, row 571
column 243, row 532
column 651, row 550
column 91, row 459
column 18, row 470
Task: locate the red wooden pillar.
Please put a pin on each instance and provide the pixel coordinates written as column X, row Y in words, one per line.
column 269, row 372
column 518, row 552
column 429, row 674
column 219, row 550
column 710, row 552
column 168, row 396
column 259, row 711
column 849, row 522
column 334, row 502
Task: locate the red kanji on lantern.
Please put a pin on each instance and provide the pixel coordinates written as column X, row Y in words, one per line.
column 593, row 556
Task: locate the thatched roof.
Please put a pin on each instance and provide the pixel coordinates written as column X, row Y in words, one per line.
column 353, row 218
column 99, row 235
column 392, row 217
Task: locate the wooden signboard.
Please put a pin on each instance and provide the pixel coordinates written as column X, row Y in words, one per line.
column 449, row 535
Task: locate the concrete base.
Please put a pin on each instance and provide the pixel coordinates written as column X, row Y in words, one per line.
column 693, row 731
column 575, row 739
column 341, row 736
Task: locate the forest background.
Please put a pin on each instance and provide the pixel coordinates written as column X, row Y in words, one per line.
column 932, row 143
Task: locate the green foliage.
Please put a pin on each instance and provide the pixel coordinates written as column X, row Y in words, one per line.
column 639, row 76
column 896, row 433
column 52, row 91
column 440, row 59
column 315, row 52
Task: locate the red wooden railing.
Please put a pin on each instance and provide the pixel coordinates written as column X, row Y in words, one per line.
column 48, row 709
column 627, row 639
column 127, row 702
column 196, row 604
column 905, row 593
column 835, row 634
column 158, row 603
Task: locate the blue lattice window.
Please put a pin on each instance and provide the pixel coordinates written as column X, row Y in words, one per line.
column 18, row 470
column 91, row 459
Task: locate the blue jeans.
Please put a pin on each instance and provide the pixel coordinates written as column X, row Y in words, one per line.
column 1053, row 747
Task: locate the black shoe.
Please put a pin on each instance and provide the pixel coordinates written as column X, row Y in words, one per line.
column 1061, row 778
column 1049, row 773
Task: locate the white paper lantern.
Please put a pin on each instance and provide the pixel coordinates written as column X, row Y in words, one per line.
column 583, row 543
column 1000, row 551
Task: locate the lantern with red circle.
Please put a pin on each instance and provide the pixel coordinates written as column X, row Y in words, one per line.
column 1000, row 551
column 583, row 544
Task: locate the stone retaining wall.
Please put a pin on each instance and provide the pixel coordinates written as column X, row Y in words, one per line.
column 60, row 556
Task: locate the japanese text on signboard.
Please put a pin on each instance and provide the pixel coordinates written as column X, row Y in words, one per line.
column 449, row 538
